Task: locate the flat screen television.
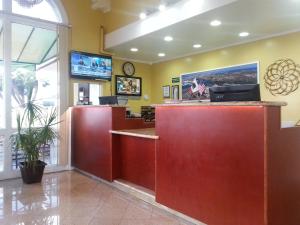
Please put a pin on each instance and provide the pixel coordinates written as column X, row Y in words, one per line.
column 128, row 86
column 243, row 92
column 90, row 66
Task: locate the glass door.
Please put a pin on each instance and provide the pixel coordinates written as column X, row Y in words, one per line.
column 3, row 138
column 29, row 59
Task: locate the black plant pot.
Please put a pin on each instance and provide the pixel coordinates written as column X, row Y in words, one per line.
column 32, row 174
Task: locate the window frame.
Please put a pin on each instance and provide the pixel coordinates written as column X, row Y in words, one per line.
column 63, row 79
column 56, row 5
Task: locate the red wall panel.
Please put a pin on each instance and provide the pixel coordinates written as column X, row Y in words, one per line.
column 91, row 140
column 210, row 163
column 283, row 166
column 134, row 159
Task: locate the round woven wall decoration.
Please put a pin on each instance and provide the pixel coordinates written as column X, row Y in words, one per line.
column 282, row 77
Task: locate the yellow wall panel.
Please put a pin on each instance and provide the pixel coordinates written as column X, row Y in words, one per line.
column 85, row 22
column 265, row 51
column 141, row 70
column 85, row 36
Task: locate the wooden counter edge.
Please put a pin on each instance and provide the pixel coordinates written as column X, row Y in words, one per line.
column 134, row 134
column 206, row 103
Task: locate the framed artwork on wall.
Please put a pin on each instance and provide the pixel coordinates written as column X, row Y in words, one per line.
column 166, row 91
column 175, row 92
column 195, row 86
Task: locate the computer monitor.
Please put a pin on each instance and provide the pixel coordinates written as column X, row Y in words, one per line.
column 243, row 92
column 122, row 100
column 108, row 100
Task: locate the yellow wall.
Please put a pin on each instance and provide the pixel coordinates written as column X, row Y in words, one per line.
column 85, row 22
column 134, row 103
column 264, row 51
column 143, row 71
column 85, row 36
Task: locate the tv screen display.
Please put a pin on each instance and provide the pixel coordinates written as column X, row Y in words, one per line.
column 128, row 86
column 90, row 66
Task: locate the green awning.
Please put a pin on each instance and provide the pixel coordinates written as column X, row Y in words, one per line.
column 31, row 45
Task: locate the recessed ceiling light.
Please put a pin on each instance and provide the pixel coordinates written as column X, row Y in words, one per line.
column 161, row 54
column 143, row 15
column 215, row 23
column 168, row 38
column 244, row 34
column 162, row 7
column 197, row 46
column 134, row 49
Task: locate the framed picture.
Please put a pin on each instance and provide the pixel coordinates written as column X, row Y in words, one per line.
column 195, row 86
column 175, row 92
column 128, row 86
column 166, row 91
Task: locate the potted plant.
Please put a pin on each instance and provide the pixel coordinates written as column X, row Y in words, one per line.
column 35, row 129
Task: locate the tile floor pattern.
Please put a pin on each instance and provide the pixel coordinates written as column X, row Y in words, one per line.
column 69, row 198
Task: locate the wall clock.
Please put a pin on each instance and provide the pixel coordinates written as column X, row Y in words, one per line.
column 128, row 69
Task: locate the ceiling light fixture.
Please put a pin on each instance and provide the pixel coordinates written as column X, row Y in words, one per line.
column 168, row 38
column 215, row 23
column 134, row 49
column 143, row 15
column 197, row 46
column 162, row 7
column 161, row 54
column 243, row 34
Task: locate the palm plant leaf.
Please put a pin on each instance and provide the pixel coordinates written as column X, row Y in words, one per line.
column 34, row 129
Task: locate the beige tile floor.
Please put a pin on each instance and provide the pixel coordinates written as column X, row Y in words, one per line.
column 69, row 198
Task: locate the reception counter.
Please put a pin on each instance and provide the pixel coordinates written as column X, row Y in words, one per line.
column 134, row 156
column 222, row 164
column 91, row 140
column 228, row 164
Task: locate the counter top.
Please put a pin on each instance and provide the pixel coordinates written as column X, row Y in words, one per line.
column 196, row 103
column 92, row 106
column 143, row 133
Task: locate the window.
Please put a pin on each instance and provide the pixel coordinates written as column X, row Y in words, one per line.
column 2, row 108
column 43, row 10
column 34, row 62
column 29, row 55
column 1, row 153
column 34, row 47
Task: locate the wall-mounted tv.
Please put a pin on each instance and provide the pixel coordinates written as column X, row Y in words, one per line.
column 128, row 86
column 90, row 66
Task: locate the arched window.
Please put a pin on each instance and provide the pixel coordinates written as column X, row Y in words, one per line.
column 32, row 49
column 50, row 10
column 43, row 10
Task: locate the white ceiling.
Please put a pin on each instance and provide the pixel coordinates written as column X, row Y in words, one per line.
column 103, row 5
column 261, row 18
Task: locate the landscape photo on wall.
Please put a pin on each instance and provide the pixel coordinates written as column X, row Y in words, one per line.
column 195, row 86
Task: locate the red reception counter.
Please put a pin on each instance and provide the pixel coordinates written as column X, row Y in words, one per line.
column 228, row 164
column 91, row 140
column 219, row 163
